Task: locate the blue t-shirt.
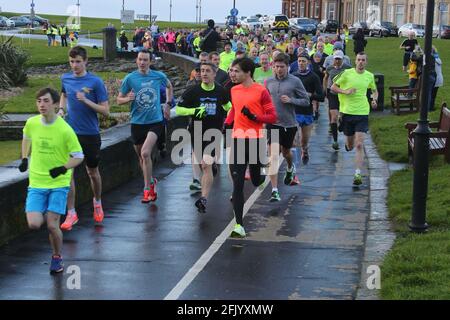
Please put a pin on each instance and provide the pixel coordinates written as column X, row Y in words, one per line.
column 146, row 107
column 82, row 118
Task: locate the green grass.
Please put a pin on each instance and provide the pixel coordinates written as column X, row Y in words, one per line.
column 25, row 103
column 41, row 55
column 96, row 25
column 10, row 151
column 417, row 265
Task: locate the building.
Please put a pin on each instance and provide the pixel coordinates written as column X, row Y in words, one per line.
column 350, row 11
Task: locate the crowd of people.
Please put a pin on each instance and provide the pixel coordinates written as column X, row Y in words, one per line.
column 257, row 98
column 62, row 31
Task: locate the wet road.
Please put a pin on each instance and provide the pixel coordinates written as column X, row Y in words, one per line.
column 308, row 246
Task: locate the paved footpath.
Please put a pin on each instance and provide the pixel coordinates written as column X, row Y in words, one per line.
column 308, row 246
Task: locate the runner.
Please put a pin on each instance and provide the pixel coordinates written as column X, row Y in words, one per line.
column 207, row 103
column 142, row 89
column 55, row 150
column 288, row 94
column 352, row 85
column 252, row 107
column 265, row 71
column 333, row 101
column 304, row 116
column 83, row 96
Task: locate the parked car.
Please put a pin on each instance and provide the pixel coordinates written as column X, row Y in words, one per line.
column 328, row 25
column 39, row 19
column 445, row 32
column 23, row 22
column 276, row 22
column 6, row 23
column 359, row 25
column 405, row 29
column 251, row 23
column 303, row 25
column 383, row 29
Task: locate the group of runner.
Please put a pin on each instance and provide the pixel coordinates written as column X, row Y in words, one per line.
column 261, row 119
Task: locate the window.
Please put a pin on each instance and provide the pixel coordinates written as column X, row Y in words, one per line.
column 331, row 15
column 422, row 13
column 361, row 15
column 390, row 12
column 444, row 14
column 317, row 9
column 302, row 9
column 399, row 14
column 311, row 9
column 349, row 12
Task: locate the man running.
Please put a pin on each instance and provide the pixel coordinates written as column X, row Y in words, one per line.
column 288, row 94
column 208, row 104
column 252, row 107
column 84, row 96
column 265, row 71
column 352, row 85
column 333, row 101
column 142, row 89
column 304, row 116
column 55, row 150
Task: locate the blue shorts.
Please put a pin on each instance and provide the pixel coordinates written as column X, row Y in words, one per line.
column 304, row 120
column 45, row 200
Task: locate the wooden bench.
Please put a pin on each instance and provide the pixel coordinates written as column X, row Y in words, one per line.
column 405, row 97
column 439, row 139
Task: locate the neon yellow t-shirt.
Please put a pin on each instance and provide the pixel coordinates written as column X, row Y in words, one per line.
column 259, row 75
column 226, row 59
column 357, row 103
column 51, row 146
column 328, row 50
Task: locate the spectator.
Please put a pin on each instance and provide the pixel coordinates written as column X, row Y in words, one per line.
column 439, row 78
column 123, row 41
column 211, row 37
column 359, row 41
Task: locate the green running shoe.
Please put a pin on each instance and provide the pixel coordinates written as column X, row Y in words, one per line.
column 238, row 232
column 195, row 186
column 289, row 176
column 335, row 146
column 357, row 179
column 275, row 196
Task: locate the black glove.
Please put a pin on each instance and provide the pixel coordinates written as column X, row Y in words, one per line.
column 55, row 172
column 200, row 113
column 246, row 112
column 23, row 165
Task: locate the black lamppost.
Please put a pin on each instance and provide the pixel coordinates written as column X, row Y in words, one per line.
column 170, row 11
column 150, row 13
column 422, row 135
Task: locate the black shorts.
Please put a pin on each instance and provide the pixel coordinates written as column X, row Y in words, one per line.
column 139, row 132
column 333, row 101
column 406, row 58
column 91, row 145
column 202, row 145
column 354, row 123
column 286, row 135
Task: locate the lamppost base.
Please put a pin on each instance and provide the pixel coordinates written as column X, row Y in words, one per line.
column 418, row 228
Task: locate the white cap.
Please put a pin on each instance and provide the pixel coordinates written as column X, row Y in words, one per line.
column 338, row 54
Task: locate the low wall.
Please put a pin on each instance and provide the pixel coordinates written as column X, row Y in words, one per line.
column 118, row 165
column 186, row 63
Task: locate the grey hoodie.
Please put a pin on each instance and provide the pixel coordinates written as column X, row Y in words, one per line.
column 292, row 87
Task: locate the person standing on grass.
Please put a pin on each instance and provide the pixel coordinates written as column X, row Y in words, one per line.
column 55, row 151
column 83, row 97
column 352, row 86
column 409, row 45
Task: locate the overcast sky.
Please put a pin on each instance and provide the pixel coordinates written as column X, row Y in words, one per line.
column 182, row 10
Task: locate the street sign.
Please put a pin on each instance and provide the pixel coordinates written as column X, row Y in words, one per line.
column 146, row 17
column 127, row 16
column 234, row 12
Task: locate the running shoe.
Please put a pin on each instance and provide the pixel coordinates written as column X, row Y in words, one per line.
column 201, row 205
column 195, row 186
column 357, row 179
column 347, row 149
column 70, row 221
column 153, row 194
column 289, row 176
column 146, row 196
column 275, row 196
column 335, row 145
column 238, row 232
column 56, row 265
column 295, row 181
column 305, row 157
column 98, row 213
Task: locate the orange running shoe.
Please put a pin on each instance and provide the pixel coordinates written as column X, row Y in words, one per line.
column 153, row 193
column 98, row 213
column 70, row 221
column 146, row 197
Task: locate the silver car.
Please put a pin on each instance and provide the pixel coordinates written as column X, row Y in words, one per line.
column 6, row 22
column 418, row 29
